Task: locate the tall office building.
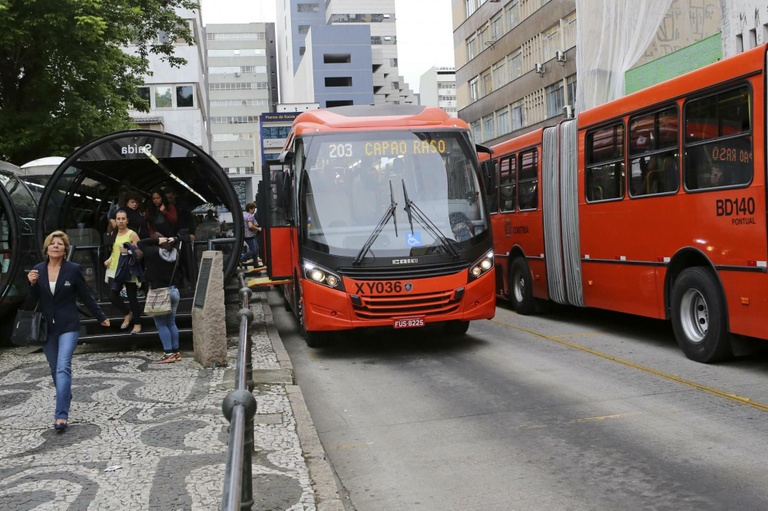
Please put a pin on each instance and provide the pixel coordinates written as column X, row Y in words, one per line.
column 437, row 87
column 242, row 85
column 516, row 66
column 177, row 96
column 339, row 52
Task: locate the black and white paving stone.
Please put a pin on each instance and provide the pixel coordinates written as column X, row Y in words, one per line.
column 141, row 435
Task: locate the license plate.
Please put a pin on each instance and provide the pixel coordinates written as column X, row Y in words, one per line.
column 409, row 322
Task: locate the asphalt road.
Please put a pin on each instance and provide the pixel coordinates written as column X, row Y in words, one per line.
column 573, row 410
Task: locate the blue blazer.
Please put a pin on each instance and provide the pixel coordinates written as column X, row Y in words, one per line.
column 60, row 308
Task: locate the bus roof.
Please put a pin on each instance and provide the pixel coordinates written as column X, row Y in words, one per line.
column 738, row 66
column 370, row 117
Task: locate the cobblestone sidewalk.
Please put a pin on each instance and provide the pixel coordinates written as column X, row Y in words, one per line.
column 143, row 436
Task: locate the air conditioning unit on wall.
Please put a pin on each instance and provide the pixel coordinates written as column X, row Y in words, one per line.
column 568, row 111
column 560, row 56
column 539, row 68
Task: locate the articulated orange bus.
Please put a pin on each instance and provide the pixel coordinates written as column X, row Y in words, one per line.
column 386, row 222
column 653, row 204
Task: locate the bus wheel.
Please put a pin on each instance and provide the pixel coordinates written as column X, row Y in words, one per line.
column 312, row 338
column 521, row 287
column 699, row 316
column 456, row 327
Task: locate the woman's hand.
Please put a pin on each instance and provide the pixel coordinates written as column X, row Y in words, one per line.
column 32, row 276
column 107, row 262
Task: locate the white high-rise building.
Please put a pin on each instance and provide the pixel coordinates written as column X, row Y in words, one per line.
column 177, row 95
column 437, row 87
column 241, row 86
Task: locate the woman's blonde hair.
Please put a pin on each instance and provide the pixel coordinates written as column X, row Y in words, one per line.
column 56, row 234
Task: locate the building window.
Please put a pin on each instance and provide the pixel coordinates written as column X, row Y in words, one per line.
column 308, row 7
column 482, row 36
column 144, row 93
column 512, row 13
column 337, row 58
column 303, row 29
column 245, row 52
column 488, row 127
column 515, row 67
column 470, row 6
column 499, row 75
column 569, row 31
column 555, row 99
column 338, row 81
column 518, row 115
column 302, row 49
column 550, row 41
column 185, row 96
column 476, row 130
column 473, row 89
column 163, row 97
column 471, row 47
column 502, row 121
column 487, row 83
column 570, row 88
column 236, row 36
column 497, row 27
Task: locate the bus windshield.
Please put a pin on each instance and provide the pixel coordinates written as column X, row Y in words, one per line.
column 392, row 194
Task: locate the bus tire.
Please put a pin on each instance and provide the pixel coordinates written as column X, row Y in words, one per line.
column 313, row 339
column 699, row 316
column 521, row 287
column 457, row 327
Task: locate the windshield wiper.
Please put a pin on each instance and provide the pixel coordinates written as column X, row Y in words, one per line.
column 389, row 213
column 414, row 211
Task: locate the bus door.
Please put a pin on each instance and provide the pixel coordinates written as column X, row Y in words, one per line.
column 275, row 217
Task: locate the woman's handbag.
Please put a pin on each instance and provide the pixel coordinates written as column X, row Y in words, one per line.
column 158, row 302
column 30, row 328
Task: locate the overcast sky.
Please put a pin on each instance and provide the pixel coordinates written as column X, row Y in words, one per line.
column 424, row 33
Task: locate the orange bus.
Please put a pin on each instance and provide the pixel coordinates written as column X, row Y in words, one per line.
column 653, row 204
column 386, row 222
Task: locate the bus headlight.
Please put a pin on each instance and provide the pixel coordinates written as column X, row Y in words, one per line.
column 481, row 266
column 320, row 275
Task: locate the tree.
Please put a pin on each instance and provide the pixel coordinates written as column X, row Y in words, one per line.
column 65, row 74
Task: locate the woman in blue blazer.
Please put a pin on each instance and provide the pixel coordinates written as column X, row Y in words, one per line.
column 56, row 285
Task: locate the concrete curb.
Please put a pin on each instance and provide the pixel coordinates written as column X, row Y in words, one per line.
column 320, row 472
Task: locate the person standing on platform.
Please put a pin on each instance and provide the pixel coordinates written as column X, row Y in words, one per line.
column 161, row 215
column 56, row 284
column 251, row 231
column 161, row 257
column 124, row 238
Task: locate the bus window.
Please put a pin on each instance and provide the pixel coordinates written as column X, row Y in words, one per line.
column 604, row 173
column 507, row 177
column 653, row 153
column 489, row 175
column 719, row 140
column 528, row 189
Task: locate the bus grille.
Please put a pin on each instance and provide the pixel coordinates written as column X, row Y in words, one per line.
column 405, row 272
column 428, row 304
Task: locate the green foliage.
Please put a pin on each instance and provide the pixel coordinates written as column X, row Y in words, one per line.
column 65, row 78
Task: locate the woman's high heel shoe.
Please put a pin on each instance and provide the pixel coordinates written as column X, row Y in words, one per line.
column 126, row 322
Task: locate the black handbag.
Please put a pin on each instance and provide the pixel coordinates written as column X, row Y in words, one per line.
column 30, row 328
